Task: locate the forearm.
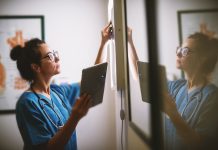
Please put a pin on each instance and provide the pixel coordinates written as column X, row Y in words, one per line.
column 62, row 137
column 80, row 109
column 133, row 57
column 133, row 50
column 100, row 53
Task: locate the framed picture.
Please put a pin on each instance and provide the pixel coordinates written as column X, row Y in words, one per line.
column 11, row 84
column 191, row 21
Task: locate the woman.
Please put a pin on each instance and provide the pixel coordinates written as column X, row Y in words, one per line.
column 192, row 103
column 47, row 115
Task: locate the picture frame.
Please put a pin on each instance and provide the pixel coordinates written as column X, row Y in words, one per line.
column 11, row 84
column 189, row 22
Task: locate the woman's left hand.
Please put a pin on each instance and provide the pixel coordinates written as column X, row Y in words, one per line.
column 81, row 107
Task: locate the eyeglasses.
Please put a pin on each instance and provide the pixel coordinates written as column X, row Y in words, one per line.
column 52, row 56
column 183, row 51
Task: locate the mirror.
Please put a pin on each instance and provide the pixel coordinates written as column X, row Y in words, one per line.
column 177, row 20
column 137, row 50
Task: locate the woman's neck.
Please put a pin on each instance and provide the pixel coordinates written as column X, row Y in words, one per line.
column 196, row 81
column 41, row 87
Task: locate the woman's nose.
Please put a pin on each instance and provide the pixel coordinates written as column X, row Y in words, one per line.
column 57, row 59
column 179, row 54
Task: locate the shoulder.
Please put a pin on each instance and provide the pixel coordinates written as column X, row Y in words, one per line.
column 210, row 91
column 56, row 87
column 211, row 88
column 209, row 98
column 26, row 101
column 65, row 87
column 177, row 84
column 27, row 97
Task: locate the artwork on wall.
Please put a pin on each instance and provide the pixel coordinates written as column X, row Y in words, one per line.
column 14, row 28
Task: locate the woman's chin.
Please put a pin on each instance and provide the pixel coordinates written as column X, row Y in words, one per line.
column 58, row 72
column 178, row 66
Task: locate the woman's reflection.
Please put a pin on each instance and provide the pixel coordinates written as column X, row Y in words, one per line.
column 191, row 104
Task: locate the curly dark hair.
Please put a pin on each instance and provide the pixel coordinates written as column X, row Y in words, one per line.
column 27, row 55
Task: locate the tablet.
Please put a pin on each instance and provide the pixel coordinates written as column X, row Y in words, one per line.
column 93, row 82
column 144, row 79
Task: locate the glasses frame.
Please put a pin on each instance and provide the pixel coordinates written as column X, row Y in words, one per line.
column 183, row 51
column 52, row 56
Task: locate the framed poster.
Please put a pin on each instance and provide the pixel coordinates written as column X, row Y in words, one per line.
column 11, row 84
column 191, row 21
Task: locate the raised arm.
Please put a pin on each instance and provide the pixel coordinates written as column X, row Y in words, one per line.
column 133, row 57
column 105, row 36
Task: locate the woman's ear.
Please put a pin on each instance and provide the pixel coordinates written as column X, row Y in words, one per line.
column 35, row 68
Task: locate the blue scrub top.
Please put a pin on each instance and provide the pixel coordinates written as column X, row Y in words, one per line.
column 35, row 127
column 199, row 108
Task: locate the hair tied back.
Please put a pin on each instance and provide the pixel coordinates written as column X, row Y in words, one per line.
column 16, row 52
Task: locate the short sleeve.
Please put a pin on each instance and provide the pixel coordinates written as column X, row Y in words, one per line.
column 31, row 123
column 72, row 91
column 175, row 86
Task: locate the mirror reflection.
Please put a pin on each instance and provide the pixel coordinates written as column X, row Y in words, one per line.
column 138, row 53
column 191, row 102
column 188, row 50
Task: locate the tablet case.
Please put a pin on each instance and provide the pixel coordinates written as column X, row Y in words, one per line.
column 144, row 79
column 93, row 82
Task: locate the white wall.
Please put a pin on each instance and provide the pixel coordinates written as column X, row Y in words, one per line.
column 73, row 28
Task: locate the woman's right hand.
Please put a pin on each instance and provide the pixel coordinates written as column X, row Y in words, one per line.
column 106, row 33
column 204, row 30
column 81, row 107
